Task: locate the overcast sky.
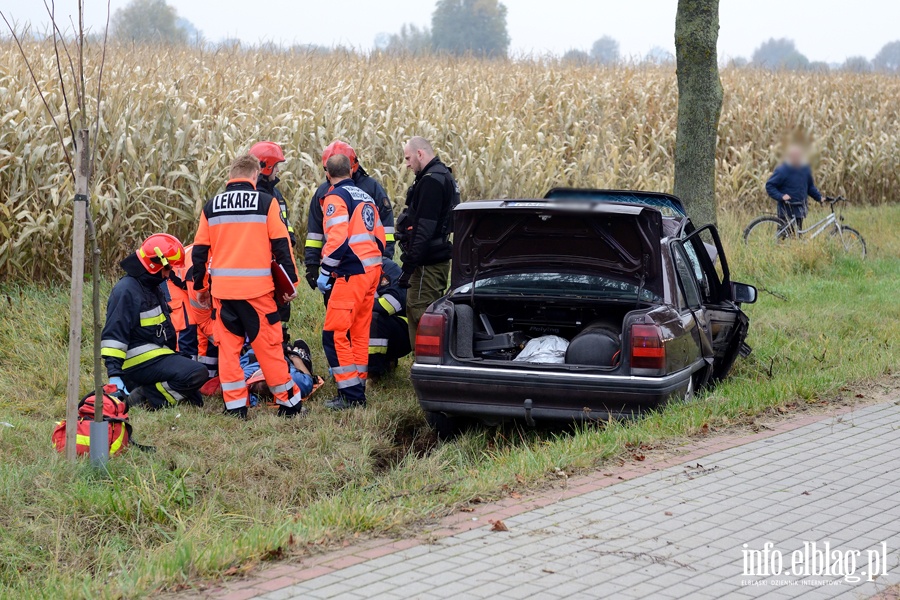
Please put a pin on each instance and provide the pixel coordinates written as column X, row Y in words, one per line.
column 826, row 30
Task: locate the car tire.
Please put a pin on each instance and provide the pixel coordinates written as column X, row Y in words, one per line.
column 447, row 427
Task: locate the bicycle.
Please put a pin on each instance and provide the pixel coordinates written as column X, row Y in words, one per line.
column 770, row 230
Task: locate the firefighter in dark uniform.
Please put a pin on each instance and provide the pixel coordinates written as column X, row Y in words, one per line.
column 270, row 157
column 138, row 340
column 388, row 336
column 315, row 237
column 424, row 228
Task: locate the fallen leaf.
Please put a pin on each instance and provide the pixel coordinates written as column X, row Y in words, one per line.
column 639, row 457
column 547, row 571
column 704, row 428
column 805, row 494
column 520, row 479
column 515, row 495
column 607, row 474
column 231, row 571
column 860, row 396
column 668, row 514
column 498, row 525
column 467, row 509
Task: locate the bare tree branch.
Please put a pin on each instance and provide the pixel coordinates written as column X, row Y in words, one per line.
column 81, row 55
column 68, row 54
column 51, row 10
column 62, row 139
column 100, row 87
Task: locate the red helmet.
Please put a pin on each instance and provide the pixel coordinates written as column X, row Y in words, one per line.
column 160, row 250
column 269, row 155
column 339, row 147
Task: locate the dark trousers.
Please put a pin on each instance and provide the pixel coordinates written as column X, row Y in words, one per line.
column 187, row 342
column 168, row 380
column 388, row 342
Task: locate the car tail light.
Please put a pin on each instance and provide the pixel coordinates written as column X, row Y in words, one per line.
column 647, row 349
column 430, row 338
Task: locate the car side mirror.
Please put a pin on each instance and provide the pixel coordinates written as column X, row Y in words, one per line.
column 741, row 293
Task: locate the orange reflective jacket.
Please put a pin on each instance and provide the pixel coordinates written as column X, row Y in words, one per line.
column 242, row 230
column 178, row 284
column 353, row 230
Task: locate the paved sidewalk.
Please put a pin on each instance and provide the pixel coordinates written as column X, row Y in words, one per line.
column 676, row 533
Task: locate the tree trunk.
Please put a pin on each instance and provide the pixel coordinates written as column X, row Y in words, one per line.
column 699, row 107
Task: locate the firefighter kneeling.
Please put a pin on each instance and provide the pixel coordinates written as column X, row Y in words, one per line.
column 241, row 229
column 389, row 334
column 138, row 340
column 351, row 269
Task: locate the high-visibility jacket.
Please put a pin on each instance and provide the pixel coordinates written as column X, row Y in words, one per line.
column 138, row 328
column 390, row 299
column 353, row 231
column 315, row 235
column 243, row 230
column 178, row 294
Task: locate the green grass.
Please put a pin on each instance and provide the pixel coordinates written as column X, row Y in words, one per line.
column 220, row 493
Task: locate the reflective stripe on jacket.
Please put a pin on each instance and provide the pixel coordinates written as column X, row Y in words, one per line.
column 353, row 230
column 315, row 236
column 240, row 231
column 138, row 328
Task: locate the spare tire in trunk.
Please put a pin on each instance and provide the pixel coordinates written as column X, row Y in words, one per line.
column 595, row 346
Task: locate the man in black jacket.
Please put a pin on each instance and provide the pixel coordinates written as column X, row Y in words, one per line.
column 138, row 340
column 424, row 228
column 315, row 238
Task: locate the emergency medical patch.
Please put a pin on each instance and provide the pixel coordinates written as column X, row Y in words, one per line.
column 368, row 216
column 330, row 210
column 385, row 280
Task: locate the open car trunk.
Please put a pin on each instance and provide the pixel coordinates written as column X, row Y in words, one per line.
column 526, row 269
column 538, row 333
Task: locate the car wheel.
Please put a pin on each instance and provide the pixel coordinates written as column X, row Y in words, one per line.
column 446, row 426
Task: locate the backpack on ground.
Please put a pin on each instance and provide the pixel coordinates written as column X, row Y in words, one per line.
column 115, row 412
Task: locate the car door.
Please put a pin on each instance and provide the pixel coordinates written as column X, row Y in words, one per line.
column 691, row 305
column 727, row 324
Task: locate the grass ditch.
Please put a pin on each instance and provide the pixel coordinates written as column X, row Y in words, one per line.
column 220, row 496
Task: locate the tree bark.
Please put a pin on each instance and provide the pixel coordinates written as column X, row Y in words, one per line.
column 699, row 107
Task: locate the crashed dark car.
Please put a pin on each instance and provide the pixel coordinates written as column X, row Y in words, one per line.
column 642, row 298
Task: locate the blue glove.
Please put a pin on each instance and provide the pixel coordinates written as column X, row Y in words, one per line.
column 323, row 283
column 120, row 385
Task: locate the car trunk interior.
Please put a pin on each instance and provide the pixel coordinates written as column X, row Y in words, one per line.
column 497, row 330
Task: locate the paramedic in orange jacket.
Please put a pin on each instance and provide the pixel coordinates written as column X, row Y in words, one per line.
column 242, row 230
column 192, row 321
column 351, row 270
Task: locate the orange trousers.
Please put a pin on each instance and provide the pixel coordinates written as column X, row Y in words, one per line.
column 345, row 336
column 255, row 320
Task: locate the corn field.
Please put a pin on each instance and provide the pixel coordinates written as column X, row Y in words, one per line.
column 172, row 120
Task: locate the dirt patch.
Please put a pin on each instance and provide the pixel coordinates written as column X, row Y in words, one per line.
column 411, row 437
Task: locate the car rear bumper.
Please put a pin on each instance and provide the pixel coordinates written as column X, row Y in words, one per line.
column 494, row 393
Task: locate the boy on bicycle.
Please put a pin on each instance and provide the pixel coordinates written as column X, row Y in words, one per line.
column 790, row 185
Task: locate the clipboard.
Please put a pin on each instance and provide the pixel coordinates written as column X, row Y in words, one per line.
column 283, row 284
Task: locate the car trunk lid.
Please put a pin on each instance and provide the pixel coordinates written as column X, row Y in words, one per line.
column 519, row 236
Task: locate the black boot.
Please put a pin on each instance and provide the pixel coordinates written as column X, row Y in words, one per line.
column 341, row 403
column 137, row 398
column 240, row 413
column 289, row 412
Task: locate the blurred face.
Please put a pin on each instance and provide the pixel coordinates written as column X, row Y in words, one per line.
column 275, row 170
column 796, row 155
column 166, row 271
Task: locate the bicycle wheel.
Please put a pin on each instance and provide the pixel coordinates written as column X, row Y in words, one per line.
column 766, row 232
column 850, row 240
